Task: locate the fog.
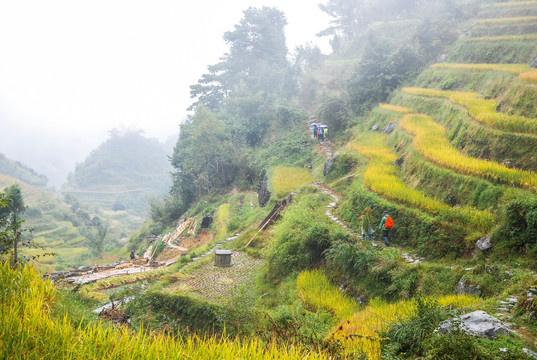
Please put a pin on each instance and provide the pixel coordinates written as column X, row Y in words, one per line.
column 70, row 71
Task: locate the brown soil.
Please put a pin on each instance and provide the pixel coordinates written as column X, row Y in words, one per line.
column 203, row 237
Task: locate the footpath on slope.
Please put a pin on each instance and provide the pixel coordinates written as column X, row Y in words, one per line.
column 327, row 148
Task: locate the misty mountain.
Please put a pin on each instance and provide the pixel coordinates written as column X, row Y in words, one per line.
column 17, row 170
column 122, row 173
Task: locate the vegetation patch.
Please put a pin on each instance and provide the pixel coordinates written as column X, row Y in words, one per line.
column 431, row 141
column 362, row 332
column 396, row 108
column 287, row 179
column 315, row 289
column 524, row 71
column 481, row 109
column 382, row 177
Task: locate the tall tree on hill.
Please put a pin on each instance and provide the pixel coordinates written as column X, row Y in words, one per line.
column 257, row 56
column 11, row 211
column 204, row 154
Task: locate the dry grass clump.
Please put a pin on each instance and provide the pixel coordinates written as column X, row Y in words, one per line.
column 482, row 110
column 286, row 179
column 381, row 176
column 396, row 108
column 432, row 142
column 315, row 289
column 29, row 331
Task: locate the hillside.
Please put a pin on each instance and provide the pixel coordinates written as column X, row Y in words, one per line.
column 430, row 110
column 121, row 174
column 66, row 229
column 19, row 171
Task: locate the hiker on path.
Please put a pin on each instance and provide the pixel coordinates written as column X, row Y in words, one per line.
column 315, row 131
column 132, row 255
column 366, row 223
column 385, row 225
column 321, row 134
column 325, row 133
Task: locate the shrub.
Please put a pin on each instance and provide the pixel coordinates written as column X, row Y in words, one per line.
column 301, row 237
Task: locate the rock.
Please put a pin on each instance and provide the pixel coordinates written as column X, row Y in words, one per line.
column 374, row 127
column 529, row 353
column 484, row 244
column 477, row 323
column 463, row 287
column 442, row 58
column 263, row 194
column 533, row 64
column 399, row 161
column 389, row 128
column 328, row 164
column 207, row 220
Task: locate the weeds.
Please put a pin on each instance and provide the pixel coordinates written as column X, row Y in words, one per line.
column 287, row 179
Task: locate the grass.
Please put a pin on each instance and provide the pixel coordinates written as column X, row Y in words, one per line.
column 495, row 21
column 482, row 110
column 524, row 71
column 359, row 333
column 509, row 4
column 315, row 289
column 381, row 176
column 287, row 179
column 396, row 108
column 432, row 142
column 30, row 331
column 525, row 37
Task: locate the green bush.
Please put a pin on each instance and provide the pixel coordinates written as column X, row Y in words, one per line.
column 408, row 337
column 518, row 228
column 345, row 257
column 464, row 347
column 301, row 237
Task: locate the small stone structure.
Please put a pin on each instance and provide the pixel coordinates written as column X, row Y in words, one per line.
column 222, row 258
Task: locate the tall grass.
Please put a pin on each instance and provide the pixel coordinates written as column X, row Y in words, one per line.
column 286, row 179
column 482, row 110
column 396, row 108
column 432, row 142
column 29, row 331
column 524, row 71
column 382, row 177
column 315, row 289
column 359, row 333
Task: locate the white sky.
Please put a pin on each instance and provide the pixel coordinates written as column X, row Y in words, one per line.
column 72, row 70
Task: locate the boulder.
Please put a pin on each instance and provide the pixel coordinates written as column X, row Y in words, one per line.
column 374, row 127
column 464, row 287
column 207, row 220
column 477, row 323
column 528, row 352
column 389, row 128
column 263, row 193
column 533, row 64
column 484, row 243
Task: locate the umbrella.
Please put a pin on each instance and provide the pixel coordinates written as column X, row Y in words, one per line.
column 314, row 124
column 324, row 126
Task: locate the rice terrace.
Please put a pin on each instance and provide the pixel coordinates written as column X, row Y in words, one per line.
column 373, row 198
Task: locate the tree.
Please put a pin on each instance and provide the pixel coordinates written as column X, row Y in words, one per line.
column 204, row 155
column 11, row 209
column 257, row 56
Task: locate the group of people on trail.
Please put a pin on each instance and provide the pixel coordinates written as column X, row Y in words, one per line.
column 320, row 131
column 385, row 225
